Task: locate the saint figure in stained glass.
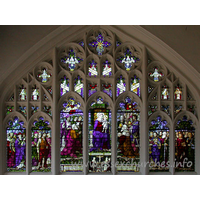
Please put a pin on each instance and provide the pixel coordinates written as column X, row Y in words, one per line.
column 178, row 93
column 16, row 146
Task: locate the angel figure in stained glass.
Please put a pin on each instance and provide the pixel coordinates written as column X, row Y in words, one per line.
column 44, row 76
column 156, row 75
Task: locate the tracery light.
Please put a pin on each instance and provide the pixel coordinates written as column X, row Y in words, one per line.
column 107, row 89
column 71, row 60
column 135, row 85
column 44, row 76
column 93, row 69
column 128, row 59
column 22, row 95
column 156, row 75
column 78, row 86
column 121, row 86
column 107, row 70
column 100, row 44
column 92, row 89
column 178, row 93
column 64, row 86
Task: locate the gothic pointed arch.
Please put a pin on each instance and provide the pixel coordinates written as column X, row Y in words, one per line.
column 79, row 83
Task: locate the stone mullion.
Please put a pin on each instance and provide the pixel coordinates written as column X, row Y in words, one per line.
column 55, row 149
column 144, row 158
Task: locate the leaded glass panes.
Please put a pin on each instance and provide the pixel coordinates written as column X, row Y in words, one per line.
column 135, row 85
column 41, row 146
column 64, row 86
column 156, row 75
column 128, row 137
column 44, row 76
column 22, row 94
column 121, row 86
column 16, row 145
column 78, row 86
column 92, row 89
column 71, row 133
column 93, row 69
column 99, row 126
column 159, row 145
column 184, row 145
column 107, row 88
column 107, row 70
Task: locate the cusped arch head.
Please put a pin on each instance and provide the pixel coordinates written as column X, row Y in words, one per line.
column 163, row 116
column 94, row 97
column 69, row 95
column 36, row 116
column 11, row 117
column 132, row 95
column 190, row 116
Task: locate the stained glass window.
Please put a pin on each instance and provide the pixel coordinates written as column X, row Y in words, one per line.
column 100, row 44
column 156, row 75
column 71, row 133
column 71, row 60
column 41, row 146
column 178, row 109
column 121, row 86
column 9, row 109
column 184, row 145
column 47, row 109
column 44, row 76
column 93, row 69
column 92, row 89
column 22, row 110
column 135, row 85
column 78, row 85
column 16, row 145
column 22, row 94
column 152, row 109
column 99, row 137
column 128, row 140
column 166, row 109
column 107, row 70
column 34, row 109
column 107, row 88
column 178, row 93
column 64, row 86
column 128, row 59
column 159, row 145
column 165, row 92
column 35, row 94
